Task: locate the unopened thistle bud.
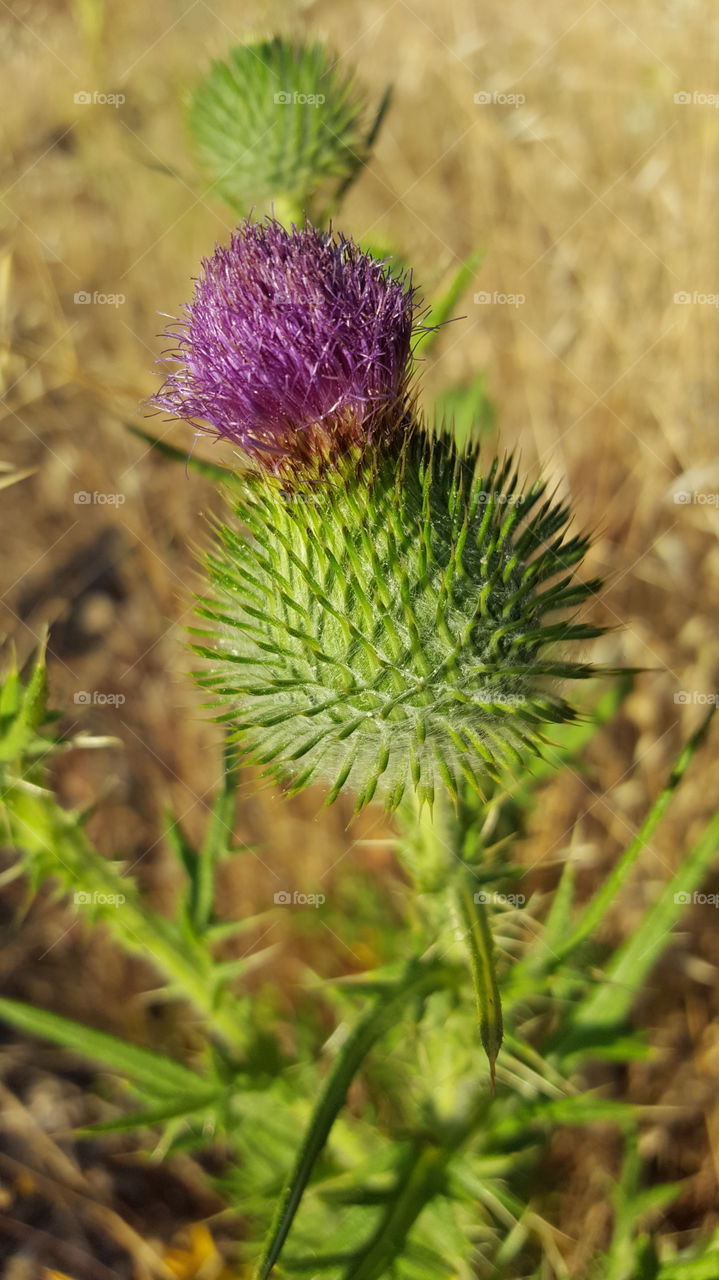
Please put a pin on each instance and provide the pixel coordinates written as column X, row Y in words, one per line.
column 296, row 347
column 275, row 123
column 398, row 627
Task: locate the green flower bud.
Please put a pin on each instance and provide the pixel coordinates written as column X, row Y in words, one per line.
column 394, row 625
column 276, row 121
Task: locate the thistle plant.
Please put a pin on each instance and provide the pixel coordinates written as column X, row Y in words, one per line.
column 390, row 615
column 386, row 617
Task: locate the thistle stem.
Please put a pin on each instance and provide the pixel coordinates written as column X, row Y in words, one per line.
column 435, row 852
column 459, row 826
column 418, row 981
column 477, row 932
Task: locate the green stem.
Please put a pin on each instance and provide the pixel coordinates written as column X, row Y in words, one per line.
column 379, row 1019
column 478, row 938
column 424, row 1176
column 456, row 831
column 421, row 1178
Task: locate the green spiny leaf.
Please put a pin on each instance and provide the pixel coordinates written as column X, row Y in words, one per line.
column 156, row 1074
column 597, row 908
column 442, row 309
column 23, row 711
column 629, row 967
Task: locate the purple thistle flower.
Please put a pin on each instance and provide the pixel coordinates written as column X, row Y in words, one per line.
column 296, row 346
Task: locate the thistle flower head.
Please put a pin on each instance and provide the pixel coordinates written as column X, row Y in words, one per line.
column 401, row 626
column 296, row 345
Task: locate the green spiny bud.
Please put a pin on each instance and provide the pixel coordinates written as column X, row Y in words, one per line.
column 274, row 123
column 394, row 625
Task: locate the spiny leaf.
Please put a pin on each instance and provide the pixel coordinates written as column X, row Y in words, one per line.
column 599, row 904
column 629, row 967
column 155, row 1073
column 442, row 309
column 182, row 1107
column 24, row 710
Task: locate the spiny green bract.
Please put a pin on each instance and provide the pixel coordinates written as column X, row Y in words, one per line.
column 392, row 626
column 274, row 122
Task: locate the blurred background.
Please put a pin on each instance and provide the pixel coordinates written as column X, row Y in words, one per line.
column 578, row 148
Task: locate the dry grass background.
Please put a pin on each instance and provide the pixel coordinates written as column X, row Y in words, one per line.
column 596, row 200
